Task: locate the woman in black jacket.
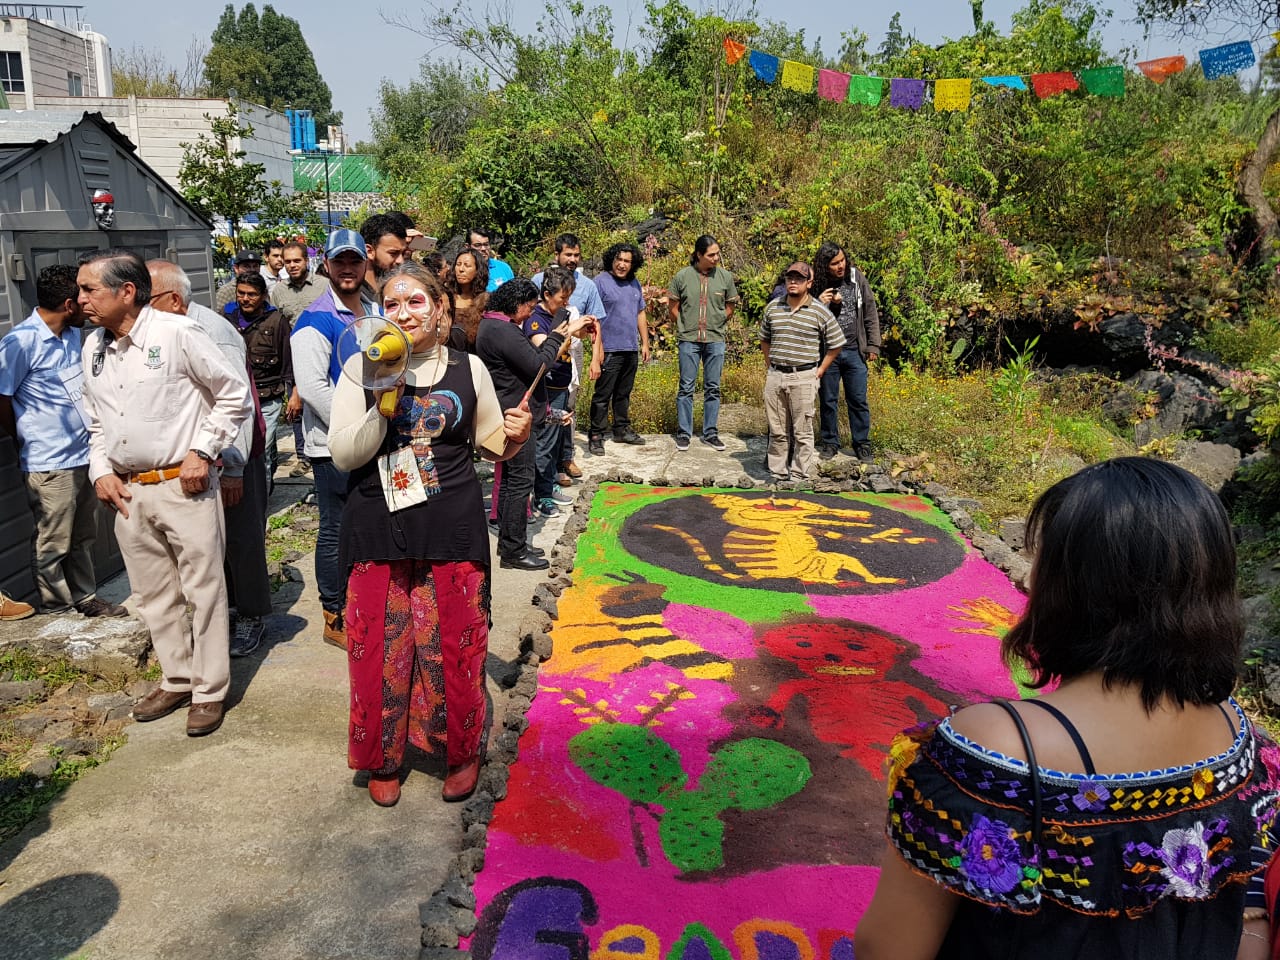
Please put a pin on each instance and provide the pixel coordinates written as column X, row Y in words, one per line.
column 514, row 362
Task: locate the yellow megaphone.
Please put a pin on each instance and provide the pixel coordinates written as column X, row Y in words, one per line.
column 388, row 348
column 376, row 355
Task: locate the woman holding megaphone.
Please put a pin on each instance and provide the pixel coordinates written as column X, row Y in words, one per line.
column 414, row 539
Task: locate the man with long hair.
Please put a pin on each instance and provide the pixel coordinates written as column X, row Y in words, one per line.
column 844, row 290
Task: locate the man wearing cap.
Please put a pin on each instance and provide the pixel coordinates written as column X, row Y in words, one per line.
column 41, row 384
column 800, row 339
column 162, row 404
column 246, row 262
column 316, row 368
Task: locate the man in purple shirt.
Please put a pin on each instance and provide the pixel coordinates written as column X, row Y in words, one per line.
column 622, row 344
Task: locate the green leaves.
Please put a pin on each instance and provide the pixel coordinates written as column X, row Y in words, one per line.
column 632, row 760
column 752, row 774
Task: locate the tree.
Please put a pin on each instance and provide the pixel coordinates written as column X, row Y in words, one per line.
column 895, row 42
column 214, row 175
column 265, row 59
column 1255, row 18
column 433, row 112
column 140, row 72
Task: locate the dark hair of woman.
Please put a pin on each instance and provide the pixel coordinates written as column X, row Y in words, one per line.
column 1134, row 577
column 556, row 279
column 637, row 258
column 479, row 282
column 701, row 246
column 822, row 278
column 508, row 298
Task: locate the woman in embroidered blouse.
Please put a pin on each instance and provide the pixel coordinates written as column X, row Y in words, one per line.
column 1133, row 611
column 416, row 547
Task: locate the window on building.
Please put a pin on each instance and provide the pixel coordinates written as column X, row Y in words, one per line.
column 11, row 72
column 75, row 85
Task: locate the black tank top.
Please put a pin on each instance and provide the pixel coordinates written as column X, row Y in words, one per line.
column 450, row 525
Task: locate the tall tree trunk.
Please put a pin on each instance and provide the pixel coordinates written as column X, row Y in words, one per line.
column 1249, row 185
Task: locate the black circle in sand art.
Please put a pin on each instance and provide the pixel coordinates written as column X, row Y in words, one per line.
column 791, row 542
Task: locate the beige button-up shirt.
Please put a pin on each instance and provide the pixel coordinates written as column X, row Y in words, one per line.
column 156, row 393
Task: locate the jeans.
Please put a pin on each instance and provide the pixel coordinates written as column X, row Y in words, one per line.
column 331, row 498
column 549, row 443
column 270, row 458
column 613, row 389
column 297, row 439
column 711, row 356
column 848, row 368
column 513, row 502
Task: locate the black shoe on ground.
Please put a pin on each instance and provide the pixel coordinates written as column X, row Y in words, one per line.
column 595, row 446
column 826, row 452
column 682, row 443
column 714, row 442
column 533, row 551
column 525, row 561
column 93, row 607
column 630, row 437
column 864, row 453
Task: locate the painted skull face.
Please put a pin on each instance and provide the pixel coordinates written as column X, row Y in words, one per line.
column 406, row 302
column 104, row 208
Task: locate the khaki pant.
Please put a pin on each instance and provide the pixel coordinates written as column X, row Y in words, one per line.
column 65, row 510
column 789, row 408
column 173, row 546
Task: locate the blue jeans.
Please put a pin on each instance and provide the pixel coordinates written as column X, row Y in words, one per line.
column 711, row 356
column 271, row 414
column 331, row 498
column 548, row 440
column 848, row 368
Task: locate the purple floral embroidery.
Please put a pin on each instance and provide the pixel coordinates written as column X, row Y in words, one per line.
column 989, row 855
column 1185, row 854
column 1092, row 796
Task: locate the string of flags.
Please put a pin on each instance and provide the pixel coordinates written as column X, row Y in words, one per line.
column 956, row 94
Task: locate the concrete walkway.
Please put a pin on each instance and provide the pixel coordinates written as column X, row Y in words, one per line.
column 258, row 841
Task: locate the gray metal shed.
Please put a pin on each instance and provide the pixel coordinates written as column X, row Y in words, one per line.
column 51, row 162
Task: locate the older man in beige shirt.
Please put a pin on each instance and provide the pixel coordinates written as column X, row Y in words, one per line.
column 162, row 405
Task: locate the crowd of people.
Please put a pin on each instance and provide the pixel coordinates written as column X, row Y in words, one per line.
column 1127, row 811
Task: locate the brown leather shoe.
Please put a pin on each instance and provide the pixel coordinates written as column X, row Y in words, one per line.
column 14, row 609
column 159, row 703
column 204, row 718
column 572, row 469
column 335, row 632
column 384, row 788
column 93, row 607
column 461, row 781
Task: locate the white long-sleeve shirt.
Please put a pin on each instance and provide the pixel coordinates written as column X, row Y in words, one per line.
column 156, row 393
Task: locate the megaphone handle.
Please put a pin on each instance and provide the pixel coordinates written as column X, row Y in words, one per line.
column 387, row 403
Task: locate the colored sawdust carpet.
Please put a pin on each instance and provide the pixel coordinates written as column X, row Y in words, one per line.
column 703, row 773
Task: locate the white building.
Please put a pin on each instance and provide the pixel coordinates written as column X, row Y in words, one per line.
column 51, row 59
column 48, row 57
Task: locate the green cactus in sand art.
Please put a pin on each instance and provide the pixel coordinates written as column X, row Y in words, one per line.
column 749, row 774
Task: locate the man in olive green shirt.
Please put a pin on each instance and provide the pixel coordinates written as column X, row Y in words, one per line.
column 294, row 295
column 702, row 299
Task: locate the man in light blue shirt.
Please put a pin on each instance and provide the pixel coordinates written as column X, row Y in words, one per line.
column 42, row 408
column 499, row 270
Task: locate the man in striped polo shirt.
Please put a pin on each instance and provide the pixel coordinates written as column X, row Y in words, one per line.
column 800, row 338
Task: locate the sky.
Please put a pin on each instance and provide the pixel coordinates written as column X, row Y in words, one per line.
column 356, row 48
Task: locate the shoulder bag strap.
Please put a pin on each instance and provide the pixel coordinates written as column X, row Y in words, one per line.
column 1031, row 766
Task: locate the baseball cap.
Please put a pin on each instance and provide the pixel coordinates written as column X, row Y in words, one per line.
column 801, row 268
column 342, row 241
column 248, row 256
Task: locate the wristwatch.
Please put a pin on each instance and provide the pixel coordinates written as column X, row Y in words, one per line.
column 202, row 455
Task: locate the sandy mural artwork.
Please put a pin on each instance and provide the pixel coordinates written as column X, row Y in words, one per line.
column 703, row 776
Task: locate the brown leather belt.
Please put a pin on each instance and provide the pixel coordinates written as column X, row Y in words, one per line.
column 148, row 477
